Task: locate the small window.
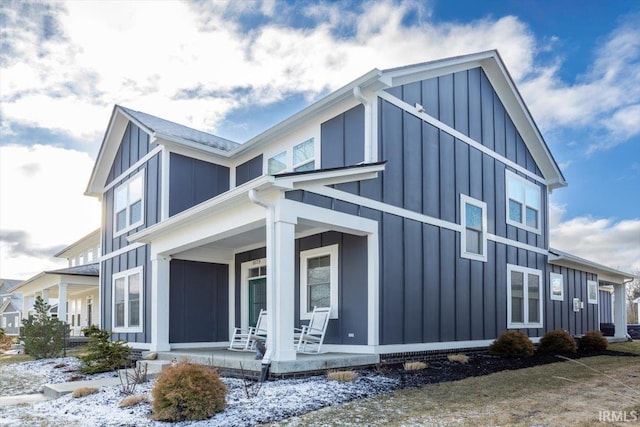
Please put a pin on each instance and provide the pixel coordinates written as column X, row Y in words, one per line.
column 277, row 163
column 523, row 203
column 303, row 156
column 592, row 292
column 473, row 242
column 556, row 287
column 129, row 204
column 319, row 280
column 524, row 297
column 127, row 297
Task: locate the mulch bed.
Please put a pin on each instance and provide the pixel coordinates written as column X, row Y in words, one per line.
column 480, row 363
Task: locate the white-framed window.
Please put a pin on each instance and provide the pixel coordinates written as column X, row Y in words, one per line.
column 319, row 280
column 524, row 297
column 592, row 292
column 473, row 217
column 127, row 294
column 129, row 204
column 300, row 158
column 556, row 286
column 523, row 203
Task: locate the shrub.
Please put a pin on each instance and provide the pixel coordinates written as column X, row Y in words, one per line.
column 415, row 366
column 461, row 358
column 512, row 344
column 43, row 335
column 90, row 330
column 593, row 341
column 342, row 376
column 103, row 355
column 188, row 392
column 84, row 391
column 5, row 340
column 133, row 400
column 557, row 341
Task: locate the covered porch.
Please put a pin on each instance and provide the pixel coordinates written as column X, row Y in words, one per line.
column 74, row 291
column 256, row 232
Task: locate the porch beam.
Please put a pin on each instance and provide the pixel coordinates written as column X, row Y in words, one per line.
column 160, row 304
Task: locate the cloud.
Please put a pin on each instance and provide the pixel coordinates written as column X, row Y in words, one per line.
column 42, row 206
column 604, row 240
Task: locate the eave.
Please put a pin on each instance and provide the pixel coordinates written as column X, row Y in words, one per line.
column 604, row 272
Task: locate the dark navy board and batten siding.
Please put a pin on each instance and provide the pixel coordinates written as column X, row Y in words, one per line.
column 249, row 170
column 192, row 181
column 604, row 303
column 198, row 302
column 561, row 314
column 352, row 289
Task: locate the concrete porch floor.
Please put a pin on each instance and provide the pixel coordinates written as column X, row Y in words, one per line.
column 233, row 362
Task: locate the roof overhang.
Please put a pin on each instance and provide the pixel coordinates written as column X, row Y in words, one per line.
column 604, row 272
column 87, row 242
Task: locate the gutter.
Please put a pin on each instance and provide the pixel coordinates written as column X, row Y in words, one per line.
column 271, row 295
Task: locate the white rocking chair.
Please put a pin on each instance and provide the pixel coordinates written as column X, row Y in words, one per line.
column 245, row 339
column 310, row 337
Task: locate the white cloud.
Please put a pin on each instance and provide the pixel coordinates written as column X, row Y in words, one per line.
column 42, row 206
column 605, row 240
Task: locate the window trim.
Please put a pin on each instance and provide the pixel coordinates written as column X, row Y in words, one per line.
column 553, row 276
column 464, row 200
column 526, row 183
column 126, row 274
column 593, row 283
column 333, row 252
column 137, row 224
column 525, row 293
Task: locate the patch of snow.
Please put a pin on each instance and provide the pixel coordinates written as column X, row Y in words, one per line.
column 275, row 400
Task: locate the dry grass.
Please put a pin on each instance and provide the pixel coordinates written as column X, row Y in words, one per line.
column 629, row 347
column 84, row 391
column 415, row 366
column 460, row 358
column 7, row 359
column 133, row 400
column 520, row 397
column 342, row 376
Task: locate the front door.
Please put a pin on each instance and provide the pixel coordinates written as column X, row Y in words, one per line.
column 257, row 298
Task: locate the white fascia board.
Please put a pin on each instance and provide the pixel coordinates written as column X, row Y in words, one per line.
column 328, row 177
column 87, row 242
column 175, row 144
column 565, row 259
column 223, row 200
column 312, row 110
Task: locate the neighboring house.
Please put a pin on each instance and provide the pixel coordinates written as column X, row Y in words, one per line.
column 10, row 307
column 72, row 292
column 413, row 201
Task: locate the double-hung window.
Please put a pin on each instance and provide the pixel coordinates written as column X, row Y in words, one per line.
column 127, row 300
column 319, row 280
column 129, row 204
column 300, row 158
column 473, row 217
column 523, row 203
column 524, row 297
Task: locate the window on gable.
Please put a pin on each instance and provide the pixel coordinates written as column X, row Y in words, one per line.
column 127, row 297
column 473, row 242
column 303, row 157
column 128, row 205
column 319, row 280
column 524, row 297
column 523, row 203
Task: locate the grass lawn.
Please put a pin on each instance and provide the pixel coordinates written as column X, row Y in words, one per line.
column 629, row 347
column 566, row 393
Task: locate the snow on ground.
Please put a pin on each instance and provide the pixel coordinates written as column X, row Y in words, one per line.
column 275, row 400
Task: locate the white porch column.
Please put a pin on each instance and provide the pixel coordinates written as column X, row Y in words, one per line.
column 62, row 301
column 160, row 304
column 25, row 306
column 620, row 311
column 45, row 295
column 281, row 310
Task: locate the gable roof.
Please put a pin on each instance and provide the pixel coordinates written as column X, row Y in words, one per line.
column 6, row 285
column 89, row 241
column 80, row 270
column 374, row 80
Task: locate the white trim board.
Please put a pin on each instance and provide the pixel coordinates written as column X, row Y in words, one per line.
column 117, row 252
column 132, row 168
column 456, row 134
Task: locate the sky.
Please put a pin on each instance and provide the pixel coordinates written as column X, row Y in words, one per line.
column 235, row 68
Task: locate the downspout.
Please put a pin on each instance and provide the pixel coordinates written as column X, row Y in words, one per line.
column 357, row 93
column 270, row 225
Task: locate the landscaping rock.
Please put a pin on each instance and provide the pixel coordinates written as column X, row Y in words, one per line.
column 150, row 356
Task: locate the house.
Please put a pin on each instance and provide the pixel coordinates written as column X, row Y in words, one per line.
column 10, row 307
column 72, row 292
column 413, row 201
